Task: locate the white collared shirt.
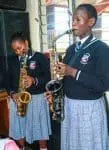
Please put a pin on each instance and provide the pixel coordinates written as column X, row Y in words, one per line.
column 84, row 39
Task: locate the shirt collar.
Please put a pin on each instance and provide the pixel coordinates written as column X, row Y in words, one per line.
column 82, row 40
column 30, row 54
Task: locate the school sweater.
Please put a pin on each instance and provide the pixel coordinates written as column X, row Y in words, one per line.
column 92, row 63
column 37, row 67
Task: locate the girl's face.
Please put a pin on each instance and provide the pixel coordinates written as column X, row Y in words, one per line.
column 82, row 24
column 20, row 47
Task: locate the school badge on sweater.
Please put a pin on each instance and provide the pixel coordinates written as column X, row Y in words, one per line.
column 32, row 65
column 85, row 58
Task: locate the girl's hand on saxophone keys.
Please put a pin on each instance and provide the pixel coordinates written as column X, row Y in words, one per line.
column 28, row 81
column 49, row 97
column 64, row 70
column 59, row 70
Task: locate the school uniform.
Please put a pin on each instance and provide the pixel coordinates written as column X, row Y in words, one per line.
column 35, row 125
column 85, row 123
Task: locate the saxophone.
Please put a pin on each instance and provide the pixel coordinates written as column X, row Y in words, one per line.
column 56, row 87
column 22, row 97
column 56, row 84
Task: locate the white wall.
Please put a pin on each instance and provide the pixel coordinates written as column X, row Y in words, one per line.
column 105, row 27
column 32, row 8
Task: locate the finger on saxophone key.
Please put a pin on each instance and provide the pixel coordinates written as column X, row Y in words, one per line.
column 49, row 97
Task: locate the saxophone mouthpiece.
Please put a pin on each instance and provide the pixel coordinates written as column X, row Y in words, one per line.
column 69, row 31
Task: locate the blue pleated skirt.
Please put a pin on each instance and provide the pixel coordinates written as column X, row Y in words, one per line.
column 36, row 123
column 85, row 125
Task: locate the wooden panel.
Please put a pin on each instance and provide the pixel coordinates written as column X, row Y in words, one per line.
column 4, row 118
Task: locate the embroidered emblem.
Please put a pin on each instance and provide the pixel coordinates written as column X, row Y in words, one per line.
column 32, row 65
column 85, row 58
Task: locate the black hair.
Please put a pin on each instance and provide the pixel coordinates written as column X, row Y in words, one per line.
column 90, row 10
column 18, row 36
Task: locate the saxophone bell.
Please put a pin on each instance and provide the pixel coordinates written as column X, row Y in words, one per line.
column 54, row 86
column 24, row 97
column 57, row 106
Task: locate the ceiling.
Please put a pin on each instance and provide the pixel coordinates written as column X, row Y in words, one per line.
column 65, row 2
column 56, row 2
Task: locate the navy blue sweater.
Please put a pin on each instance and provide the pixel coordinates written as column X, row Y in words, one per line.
column 37, row 67
column 92, row 78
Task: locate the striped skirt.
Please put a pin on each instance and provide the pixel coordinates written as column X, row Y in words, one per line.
column 85, row 125
column 35, row 125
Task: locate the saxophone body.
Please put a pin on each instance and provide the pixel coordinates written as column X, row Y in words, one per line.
column 22, row 97
column 56, row 87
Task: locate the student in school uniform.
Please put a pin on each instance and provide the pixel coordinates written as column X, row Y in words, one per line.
column 35, row 124
column 86, row 78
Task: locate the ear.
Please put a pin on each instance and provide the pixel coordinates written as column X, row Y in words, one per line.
column 91, row 22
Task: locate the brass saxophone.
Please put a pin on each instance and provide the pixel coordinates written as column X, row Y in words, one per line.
column 23, row 97
column 56, row 84
column 56, row 87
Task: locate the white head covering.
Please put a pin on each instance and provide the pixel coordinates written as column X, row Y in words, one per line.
column 7, row 144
